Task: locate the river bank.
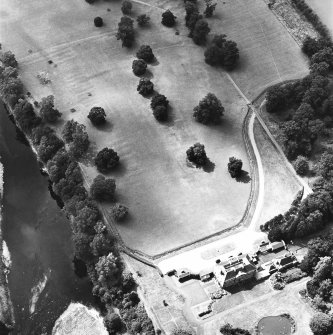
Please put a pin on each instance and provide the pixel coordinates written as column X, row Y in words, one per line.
column 6, row 306
column 38, row 235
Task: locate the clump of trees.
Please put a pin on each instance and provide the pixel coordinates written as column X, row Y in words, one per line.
column 192, row 15
column 97, row 116
column 76, row 137
column 235, row 167
column 126, row 7
column 11, row 87
column 126, row 31
column 103, row 189
column 168, row 19
column 209, row 110
column 98, row 21
column 26, row 117
column 200, row 32
column 197, row 154
column 119, row 212
column 145, row 87
column 106, row 160
column 146, row 53
column 47, row 111
column 303, row 218
column 222, row 52
column 139, row 67
column 8, row 59
column 321, row 324
column 159, row 104
column 301, row 165
column 143, row 20
column 210, row 8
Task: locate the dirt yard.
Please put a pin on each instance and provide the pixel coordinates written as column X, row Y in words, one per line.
column 170, row 203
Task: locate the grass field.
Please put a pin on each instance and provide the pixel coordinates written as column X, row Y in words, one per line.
column 280, row 184
column 170, row 203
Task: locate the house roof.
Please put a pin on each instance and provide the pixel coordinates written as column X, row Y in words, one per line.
column 278, row 245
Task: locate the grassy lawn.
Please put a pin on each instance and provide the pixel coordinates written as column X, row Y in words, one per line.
column 170, row 203
column 280, row 184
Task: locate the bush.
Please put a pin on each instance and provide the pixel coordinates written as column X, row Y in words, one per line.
column 119, row 212
column 200, row 32
column 324, row 55
column 98, row 21
column 301, row 165
column 321, row 324
column 97, row 116
column 139, row 67
column 235, row 167
column 146, row 53
column 103, row 189
column 143, row 20
column 106, row 160
column 160, row 113
column 126, row 7
column 125, row 31
column 145, row 87
column 168, row 19
column 197, row 154
column 47, row 111
column 8, row 59
column 209, row 110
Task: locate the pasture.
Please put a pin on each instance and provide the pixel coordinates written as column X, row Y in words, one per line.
column 171, row 204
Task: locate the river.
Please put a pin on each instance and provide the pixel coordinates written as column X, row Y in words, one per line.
column 42, row 281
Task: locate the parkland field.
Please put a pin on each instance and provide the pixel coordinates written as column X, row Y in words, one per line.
column 170, row 203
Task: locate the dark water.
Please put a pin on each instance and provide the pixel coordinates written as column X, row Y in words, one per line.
column 38, row 237
column 274, row 325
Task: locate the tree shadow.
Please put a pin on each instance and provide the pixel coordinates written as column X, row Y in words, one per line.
column 154, row 62
column 107, row 126
column 209, row 167
column 148, row 74
column 244, row 177
column 170, row 121
column 117, row 171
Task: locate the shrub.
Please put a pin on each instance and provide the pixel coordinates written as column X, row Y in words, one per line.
column 324, row 55
column 102, row 188
column 97, row 116
column 321, row 324
column 143, row 20
column 119, row 212
column 227, row 329
column 301, row 165
column 106, row 160
column 125, row 31
column 146, row 53
column 209, row 110
column 47, row 111
column 197, row 154
column 235, row 167
column 200, row 32
column 160, row 113
column 8, row 59
column 145, row 87
column 139, row 67
column 159, row 100
column 126, row 7
column 98, row 21
column 168, row 19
